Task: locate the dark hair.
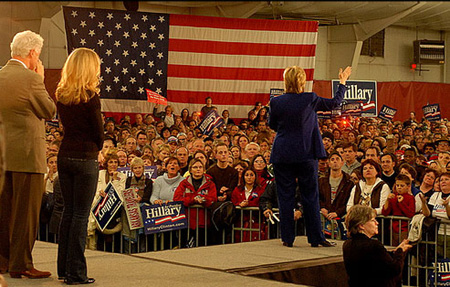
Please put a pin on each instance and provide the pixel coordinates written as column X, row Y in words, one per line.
column 411, row 170
column 413, row 149
column 172, row 158
column 375, row 148
column 435, row 172
column 335, row 153
column 350, row 145
column 393, row 157
column 255, row 184
column 446, row 174
column 372, row 163
column 404, row 178
column 429, row 144
column 141, row 133
column 111, row 139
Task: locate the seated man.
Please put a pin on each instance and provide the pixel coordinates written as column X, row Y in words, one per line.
column 334, row 189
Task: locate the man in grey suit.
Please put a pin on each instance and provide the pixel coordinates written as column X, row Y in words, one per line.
column 24, row 104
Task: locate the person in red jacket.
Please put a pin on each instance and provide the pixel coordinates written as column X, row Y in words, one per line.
column 197, row 189
column 248, row 193
column 400, row 203
column 244, row 195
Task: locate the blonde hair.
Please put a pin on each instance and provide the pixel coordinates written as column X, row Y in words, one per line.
column 137, row 161
column 79, row 77
column 294, row 80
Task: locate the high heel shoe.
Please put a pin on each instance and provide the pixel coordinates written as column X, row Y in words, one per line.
column 324, row 243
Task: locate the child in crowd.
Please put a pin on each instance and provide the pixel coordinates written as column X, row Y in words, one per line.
column 400, row 203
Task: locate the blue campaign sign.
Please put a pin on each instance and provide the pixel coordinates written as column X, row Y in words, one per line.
column 211, row 121
column 324, row 114
column 149, row 171
column 352, row 109
column 274, row 92
column 106, row 207
column 432, row 112
column 387, row 113
column 159, row 218
column 364, row 92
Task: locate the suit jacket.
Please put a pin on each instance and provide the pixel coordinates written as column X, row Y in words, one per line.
column 343, row 191
column 24, row 104
column 294, row 118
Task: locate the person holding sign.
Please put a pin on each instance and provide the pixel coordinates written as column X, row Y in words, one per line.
column 118, row 179
column 296, row 148
column 79, row 110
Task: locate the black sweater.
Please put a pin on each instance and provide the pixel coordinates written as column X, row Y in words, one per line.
column 83, row 129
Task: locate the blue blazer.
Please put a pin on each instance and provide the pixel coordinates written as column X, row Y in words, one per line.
column 294, row 118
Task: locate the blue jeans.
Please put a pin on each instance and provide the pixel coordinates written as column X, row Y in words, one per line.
column 78, row 179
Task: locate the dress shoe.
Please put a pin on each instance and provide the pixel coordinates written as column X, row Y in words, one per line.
column 32, row 274
column 324, row 243
column 87, row 281
column 288, row 244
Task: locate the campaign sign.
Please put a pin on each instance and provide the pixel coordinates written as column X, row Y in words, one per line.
column 149, row 171
column 387, row 113
column 352, row 109
column 166, row 217
column 324, row 114
column 106, row 207
column 211, row 121
column 336, row 113
column 364, row 92
column 156, row 98
column 132, row 209
column 53, row 123
column 432, row 112
column 274, row 92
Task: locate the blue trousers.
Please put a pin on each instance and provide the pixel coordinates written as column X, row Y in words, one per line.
column 78, row 179
column 287, row 176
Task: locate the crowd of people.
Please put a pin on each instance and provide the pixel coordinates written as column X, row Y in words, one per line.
column 364, row 160
column 396, row 168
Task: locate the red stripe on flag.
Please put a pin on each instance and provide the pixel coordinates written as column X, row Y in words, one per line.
column 235, row 48
column 220, row 73
column 243, row 24
column 219, row 98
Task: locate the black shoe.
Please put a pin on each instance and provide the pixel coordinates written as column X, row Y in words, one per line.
column 324, row 243
column 87, row 281
column 288, row 244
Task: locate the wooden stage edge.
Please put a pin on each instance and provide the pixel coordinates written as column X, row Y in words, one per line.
column 259, row 263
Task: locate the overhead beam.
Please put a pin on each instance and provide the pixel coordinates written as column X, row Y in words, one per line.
column 366, row 29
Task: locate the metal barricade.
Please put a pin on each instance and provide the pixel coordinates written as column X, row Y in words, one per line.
column 251, row 225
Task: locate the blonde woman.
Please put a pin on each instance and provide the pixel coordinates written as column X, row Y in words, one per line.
column 296, row 148
column 79, row 109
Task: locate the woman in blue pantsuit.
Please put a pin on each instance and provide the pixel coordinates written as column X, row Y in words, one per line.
column 296, row 150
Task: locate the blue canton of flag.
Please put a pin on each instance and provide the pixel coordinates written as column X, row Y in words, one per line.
column 133, row 48
column 150, row 221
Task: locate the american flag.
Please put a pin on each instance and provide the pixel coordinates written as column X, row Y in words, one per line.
column 188, row 58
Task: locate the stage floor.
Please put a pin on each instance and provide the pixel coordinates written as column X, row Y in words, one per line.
column 222, row 265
